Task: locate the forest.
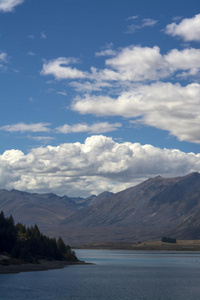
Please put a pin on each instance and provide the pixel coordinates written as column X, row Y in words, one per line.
column 29, row 244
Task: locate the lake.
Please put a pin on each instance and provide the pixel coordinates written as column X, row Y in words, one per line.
column 116, row 274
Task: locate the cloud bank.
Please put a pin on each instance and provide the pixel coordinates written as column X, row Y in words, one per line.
column 97, row 165
column 136, row 77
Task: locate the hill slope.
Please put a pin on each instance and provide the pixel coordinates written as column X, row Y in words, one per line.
column 29, row 208
column 146, row 211
column 46, row 210
column 150, row 210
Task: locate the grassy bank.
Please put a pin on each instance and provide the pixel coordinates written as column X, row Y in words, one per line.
column 180, row 245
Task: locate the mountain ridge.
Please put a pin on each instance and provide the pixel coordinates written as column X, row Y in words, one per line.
column 149, row 210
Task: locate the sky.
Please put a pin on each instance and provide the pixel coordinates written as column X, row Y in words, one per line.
column 98, row 95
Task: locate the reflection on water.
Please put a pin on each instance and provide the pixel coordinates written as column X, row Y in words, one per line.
column 115, row 275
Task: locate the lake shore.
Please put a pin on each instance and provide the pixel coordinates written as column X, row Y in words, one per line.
column 180, row 245
column 42, row 265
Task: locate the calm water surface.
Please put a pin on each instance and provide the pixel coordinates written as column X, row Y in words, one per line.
column 116, row 275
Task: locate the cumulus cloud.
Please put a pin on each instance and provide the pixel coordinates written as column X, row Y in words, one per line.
column 129, row 64
column 137, row 63
column 57, row 68
column 133, row 77
column 188, row 29
column 97, row 165
column 165, row 106
column 9, row 5
column 94, row 128
column 187, row 59
column 22, row 127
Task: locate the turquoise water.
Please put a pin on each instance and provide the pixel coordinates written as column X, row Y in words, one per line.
column 116, row 275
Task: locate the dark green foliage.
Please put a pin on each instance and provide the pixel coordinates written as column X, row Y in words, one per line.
column 168, row 240
column 30, row 244
column 8, row 233
column 61, row 246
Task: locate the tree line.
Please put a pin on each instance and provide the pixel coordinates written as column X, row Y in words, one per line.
column 29, row 244
column 168, row 240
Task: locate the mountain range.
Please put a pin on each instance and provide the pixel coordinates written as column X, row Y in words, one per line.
column 155, row 208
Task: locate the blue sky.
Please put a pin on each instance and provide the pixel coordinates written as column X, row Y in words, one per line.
column 98, row 95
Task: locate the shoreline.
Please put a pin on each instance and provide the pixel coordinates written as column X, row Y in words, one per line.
column 180, row 245
column 43, row 265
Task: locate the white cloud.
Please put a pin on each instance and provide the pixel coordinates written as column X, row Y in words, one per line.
column 137, row 63
column 31, row 36
column 144, row 23
column 43, row 139
column 94, row 128
column 97, row 165
column 43, row 35
column 57, row 68
column 148, row 22
column 3, row 57
column 9, row 5
column 106, row 52
column 187, row 59
column 88, row 86
column 30, row 53
column 177, row 18
column 21, row 127
column 100, row 127
column 31, row 99
column 162, row 105
column 188, row 29
column 104, row 75
column 129, row 64
column 62, row 93
column 127, row 74
column 132, row 18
